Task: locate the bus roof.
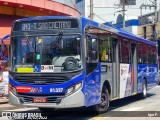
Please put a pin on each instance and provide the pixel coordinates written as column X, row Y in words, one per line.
column 94, row 24
column 118, row 31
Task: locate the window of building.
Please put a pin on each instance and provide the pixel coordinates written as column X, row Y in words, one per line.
column 145, row 32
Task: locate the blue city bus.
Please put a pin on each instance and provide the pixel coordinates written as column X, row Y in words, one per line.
column 66, row 62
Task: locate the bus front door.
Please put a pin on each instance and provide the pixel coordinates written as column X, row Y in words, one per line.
column 116, row 69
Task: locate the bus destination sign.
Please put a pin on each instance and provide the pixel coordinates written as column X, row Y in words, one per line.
column 46, row 24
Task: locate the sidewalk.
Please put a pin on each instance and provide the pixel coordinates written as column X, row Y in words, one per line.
column 3, row 100
column 4, row 104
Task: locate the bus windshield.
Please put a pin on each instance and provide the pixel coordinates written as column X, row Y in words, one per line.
column 54, row 53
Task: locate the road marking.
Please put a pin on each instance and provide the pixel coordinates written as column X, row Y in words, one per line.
column 132, row 109
column 23, row 109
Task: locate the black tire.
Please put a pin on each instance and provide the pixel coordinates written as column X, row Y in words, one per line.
column 45, row 110
column 144, row 90
column 104, row 105
column 158, row 82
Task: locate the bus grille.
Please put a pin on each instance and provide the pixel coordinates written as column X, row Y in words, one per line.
column 41, row 79
column 50, row 99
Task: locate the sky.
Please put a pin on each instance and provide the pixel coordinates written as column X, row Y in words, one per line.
column 107, row 10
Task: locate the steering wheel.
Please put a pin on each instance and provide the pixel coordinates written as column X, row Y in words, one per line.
column 70, row 64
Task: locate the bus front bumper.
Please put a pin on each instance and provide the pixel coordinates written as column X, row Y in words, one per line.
column 74, row 100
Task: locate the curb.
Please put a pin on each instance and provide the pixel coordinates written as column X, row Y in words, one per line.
column 8, row 107
column 3, row 101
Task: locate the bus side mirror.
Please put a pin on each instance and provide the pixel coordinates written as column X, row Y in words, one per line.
column 3, row 48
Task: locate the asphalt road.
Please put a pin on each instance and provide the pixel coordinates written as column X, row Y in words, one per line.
column 127, row 108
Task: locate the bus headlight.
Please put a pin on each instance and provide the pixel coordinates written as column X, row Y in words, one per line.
column 74, row 88
column 77, row 86
column 70, row 90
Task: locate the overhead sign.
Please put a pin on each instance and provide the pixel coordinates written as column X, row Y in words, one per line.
column 128, row 2
column 48, row 24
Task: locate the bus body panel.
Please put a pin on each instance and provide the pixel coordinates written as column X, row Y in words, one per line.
column 90, row 92
column 148, row 72
column 92, row 89
column 74, row 100
column 125, row 80
column 106, row 75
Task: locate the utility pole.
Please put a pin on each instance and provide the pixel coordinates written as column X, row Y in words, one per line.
column 155, row 10
column 122, row 4
column 156, row 19
column 91, row 10
column 123, row 14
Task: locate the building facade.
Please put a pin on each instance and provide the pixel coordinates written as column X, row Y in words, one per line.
column 11, row 10
column 149, row 28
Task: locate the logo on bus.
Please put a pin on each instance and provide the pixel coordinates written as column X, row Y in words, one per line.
column 36, row 90
column 123, row 71
column 47, row 68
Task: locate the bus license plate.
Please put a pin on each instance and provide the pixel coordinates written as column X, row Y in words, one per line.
column 39, row 100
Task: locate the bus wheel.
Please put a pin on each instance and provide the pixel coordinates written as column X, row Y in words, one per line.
column 158, row 82
column 144, row 89
column 46, row 109
column 104, row 105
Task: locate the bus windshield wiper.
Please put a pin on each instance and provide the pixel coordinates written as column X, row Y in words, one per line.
column 29, row 44
column 56, row 42
column 59, row 37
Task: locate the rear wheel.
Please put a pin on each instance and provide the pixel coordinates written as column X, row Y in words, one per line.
column 144, row 90
column 158, row 82
column 104, row 105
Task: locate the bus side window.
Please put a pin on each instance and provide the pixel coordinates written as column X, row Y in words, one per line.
column 150, row 55
column 139, row 53
column 154, row 55
column 105, row 49
column 145, row 54
column 92, row 45
column 125, row 54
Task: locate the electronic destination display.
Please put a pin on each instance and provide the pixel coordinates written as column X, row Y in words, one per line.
column 45, row 24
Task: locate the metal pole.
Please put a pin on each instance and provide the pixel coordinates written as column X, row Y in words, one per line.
column 141, row 11
column 123, row 12
column 156, row 19
column 91, row 10
column 155, row 10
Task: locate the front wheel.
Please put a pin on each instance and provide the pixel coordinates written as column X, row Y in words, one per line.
column 105, row 99
column 45, row 110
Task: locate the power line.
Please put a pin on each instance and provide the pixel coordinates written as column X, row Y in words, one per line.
column 113, row 7
column 100, row 17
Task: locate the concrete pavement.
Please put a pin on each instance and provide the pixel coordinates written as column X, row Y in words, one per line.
column 4, row 104
column 3, row 100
